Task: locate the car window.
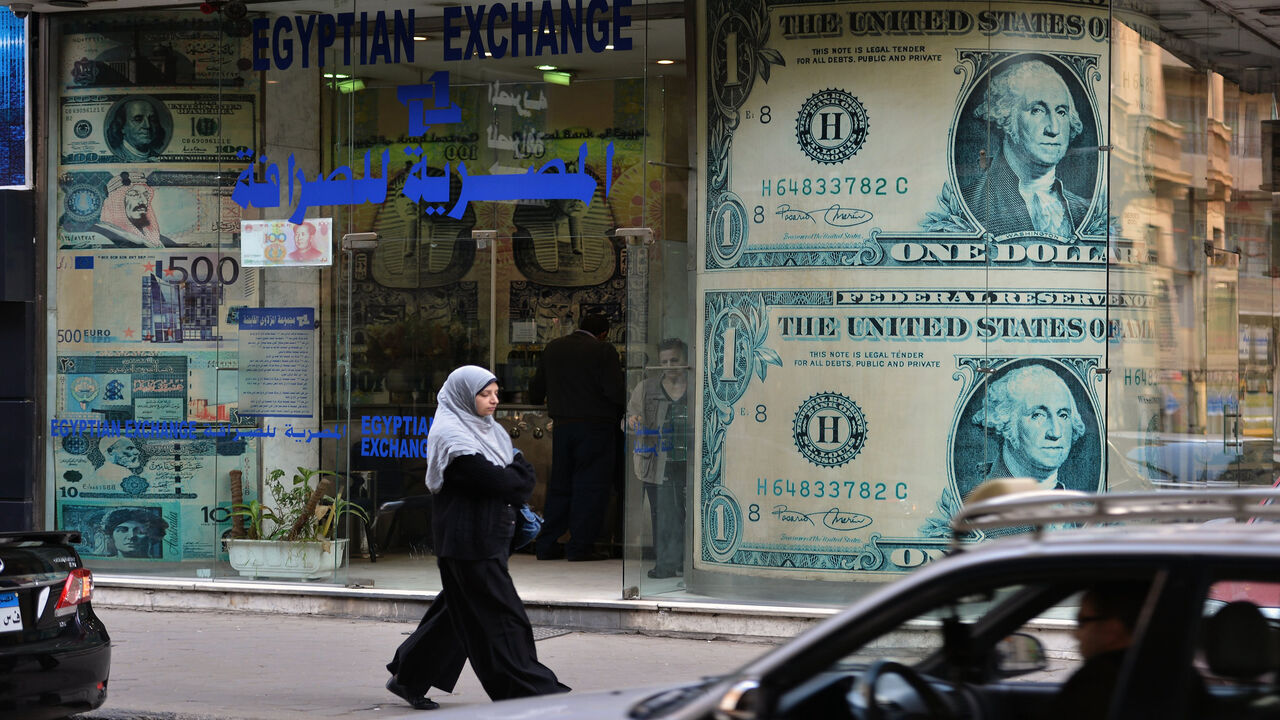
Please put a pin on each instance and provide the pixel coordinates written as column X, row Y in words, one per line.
column 1239, row 634
column 922, row 636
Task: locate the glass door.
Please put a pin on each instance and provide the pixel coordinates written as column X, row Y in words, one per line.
column 1220, row 461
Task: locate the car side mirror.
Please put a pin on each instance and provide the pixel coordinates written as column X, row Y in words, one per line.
column 740, row 702
column 1019, row 654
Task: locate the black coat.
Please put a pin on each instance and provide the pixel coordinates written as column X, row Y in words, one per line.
column 998, row 205
column 473, row 516
column 580, row 378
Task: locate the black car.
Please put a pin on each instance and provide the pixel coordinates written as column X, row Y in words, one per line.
column 55, row 654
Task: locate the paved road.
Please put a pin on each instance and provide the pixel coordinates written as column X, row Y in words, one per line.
column 178, row 665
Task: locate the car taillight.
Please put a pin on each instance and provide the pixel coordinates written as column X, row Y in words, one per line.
column 77, row 589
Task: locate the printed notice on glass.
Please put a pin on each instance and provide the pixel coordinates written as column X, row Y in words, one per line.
column 277, row 361
column 280, row 243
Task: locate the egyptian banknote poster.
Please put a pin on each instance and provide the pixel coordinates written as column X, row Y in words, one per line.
column 129, row 51
column 151, row 116
column 921, row 192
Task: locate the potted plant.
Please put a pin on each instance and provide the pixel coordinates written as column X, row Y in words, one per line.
column 292, row 537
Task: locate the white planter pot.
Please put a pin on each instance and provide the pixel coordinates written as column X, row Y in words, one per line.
column 286, row 559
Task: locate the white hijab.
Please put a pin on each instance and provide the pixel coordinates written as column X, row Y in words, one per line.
column 458, row 430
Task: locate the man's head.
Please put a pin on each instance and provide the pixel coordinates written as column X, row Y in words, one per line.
column 1032, row 106
column 121, row 451
column 139, row 125
column 302, row 235
column 1033, row 411
column 130, row 531
column 137, row 201
column 1108, row 616
column 673, row 353
column 130, row 206
column 595, row 323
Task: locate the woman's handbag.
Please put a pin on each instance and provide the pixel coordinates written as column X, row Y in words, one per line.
column 528, row 525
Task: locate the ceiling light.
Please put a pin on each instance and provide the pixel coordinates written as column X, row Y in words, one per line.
column 488, row 54
column 544, row 68
column 557, row 77
column 420, row 38
column 608, row 47
column 666, row 62
column 350, row 85
column 1170, row 16
column 1232, row 53
column 336, row 76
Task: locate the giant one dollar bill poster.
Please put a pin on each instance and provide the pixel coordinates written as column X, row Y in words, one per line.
column 920, row 192
column 151, row 114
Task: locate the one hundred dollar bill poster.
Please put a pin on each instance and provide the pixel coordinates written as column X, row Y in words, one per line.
column 110, row 207
column 922, row 189
column 149, row 300
column 159, row 125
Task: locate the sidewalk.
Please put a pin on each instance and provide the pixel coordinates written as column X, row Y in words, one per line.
column 253, row 666
column 577, row 596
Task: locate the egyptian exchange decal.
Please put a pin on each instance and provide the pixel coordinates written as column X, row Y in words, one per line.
column 831, row 126
column 830, row 429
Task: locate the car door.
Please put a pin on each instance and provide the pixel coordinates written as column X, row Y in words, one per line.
column 946, row 630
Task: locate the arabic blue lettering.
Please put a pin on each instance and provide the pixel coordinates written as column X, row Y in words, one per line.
column 419, row 186
column 248, row 193
column 534, row 184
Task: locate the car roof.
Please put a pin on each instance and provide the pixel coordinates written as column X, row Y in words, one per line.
column 1043, row 510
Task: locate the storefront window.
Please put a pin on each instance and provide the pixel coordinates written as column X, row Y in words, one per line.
column 858, row 260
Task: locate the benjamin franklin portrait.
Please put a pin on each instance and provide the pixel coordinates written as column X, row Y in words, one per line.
column 1026, row 154
column 1031, row 418
column 138, row 128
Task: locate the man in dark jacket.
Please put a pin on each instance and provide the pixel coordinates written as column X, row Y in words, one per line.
column 1104, row 628
column 579, row 376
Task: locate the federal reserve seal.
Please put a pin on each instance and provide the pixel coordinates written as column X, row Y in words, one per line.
column 830, row 429
column 831, row 126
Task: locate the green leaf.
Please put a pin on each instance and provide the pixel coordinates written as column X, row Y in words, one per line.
column 770, row 55
column 769, row 356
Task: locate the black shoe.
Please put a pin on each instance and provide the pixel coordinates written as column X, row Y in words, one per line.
column 589, row 557
column 417, row 702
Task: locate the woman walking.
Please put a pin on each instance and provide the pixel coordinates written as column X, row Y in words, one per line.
column 479, row 483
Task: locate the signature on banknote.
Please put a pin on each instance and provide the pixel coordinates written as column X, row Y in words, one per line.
column 834, row 215
column 834, row 518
